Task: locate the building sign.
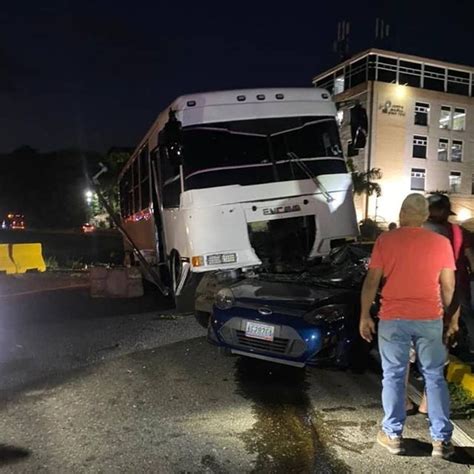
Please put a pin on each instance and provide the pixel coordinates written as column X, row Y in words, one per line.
column 389, row 108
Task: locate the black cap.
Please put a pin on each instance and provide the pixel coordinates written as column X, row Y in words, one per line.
column 440, row 201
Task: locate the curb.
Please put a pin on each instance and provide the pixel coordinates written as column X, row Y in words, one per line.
column 460, row 374
column 460, row 436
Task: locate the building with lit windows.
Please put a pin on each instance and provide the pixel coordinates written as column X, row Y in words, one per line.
column 421, row 127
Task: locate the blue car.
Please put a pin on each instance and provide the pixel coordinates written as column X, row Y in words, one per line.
column 297, row 320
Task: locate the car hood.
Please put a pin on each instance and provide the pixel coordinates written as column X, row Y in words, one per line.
column 286, row 296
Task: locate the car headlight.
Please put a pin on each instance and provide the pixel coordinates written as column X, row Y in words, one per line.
column 330, row 314
column 225, row 298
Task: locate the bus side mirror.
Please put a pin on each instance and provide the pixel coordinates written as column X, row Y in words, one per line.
column 359, row 126
column 172, row 138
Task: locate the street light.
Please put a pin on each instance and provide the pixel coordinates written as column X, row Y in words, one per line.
column 88, row 195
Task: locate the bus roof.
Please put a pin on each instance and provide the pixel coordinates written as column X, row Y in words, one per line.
column 299, row 94
column 209, row 107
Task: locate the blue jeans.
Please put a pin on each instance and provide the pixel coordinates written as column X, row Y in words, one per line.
column 394, row 337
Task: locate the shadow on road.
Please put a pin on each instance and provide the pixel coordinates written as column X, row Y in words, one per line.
column 77, row 304
column 11, row 454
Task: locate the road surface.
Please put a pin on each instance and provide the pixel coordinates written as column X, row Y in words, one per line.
column 122, row 386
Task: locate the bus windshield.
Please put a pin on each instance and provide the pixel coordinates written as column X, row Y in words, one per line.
column 257, row 151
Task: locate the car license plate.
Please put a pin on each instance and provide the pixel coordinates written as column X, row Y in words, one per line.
column 259, row 331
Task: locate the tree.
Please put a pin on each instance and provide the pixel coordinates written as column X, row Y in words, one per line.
column 363, row 181
column 114, row 160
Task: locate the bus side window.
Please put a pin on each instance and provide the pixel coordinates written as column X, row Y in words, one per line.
column 144, row 178
column 170, row 181
column 126, row 193
column 136, row 185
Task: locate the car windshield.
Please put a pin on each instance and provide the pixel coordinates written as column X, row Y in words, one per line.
column 260, row 151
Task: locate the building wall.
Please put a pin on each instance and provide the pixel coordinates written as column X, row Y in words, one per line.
column 393, row 134
column 392, row 131
column 392, row 83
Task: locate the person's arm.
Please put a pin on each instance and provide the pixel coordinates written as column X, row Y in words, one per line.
column 452, row 308
column 447, row 283
column 369, row 292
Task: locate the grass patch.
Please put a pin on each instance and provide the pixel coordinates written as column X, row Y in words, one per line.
column 462, row 403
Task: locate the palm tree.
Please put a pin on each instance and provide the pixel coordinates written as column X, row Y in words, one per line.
column 363, row 181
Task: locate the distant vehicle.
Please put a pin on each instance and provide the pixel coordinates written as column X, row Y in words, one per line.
column 87, row 228
column 295, row 320
column 14, row 221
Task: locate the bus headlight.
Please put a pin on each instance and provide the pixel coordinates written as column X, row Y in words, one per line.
column 225, row 298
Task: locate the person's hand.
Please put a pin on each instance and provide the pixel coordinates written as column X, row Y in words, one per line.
column 451, row 332
column 367, row 328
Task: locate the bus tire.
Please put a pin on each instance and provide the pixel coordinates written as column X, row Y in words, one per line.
column 202, row 318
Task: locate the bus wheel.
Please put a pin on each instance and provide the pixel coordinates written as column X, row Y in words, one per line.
column 202, row 318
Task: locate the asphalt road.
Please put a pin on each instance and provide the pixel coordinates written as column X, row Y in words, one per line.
column 120, row 386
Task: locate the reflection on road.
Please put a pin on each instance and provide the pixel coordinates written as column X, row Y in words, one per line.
column 284, row 437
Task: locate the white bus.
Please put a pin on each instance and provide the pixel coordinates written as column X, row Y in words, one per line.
column 238, row 179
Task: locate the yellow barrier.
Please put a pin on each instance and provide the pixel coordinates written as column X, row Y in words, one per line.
column 467, row 383
column 6, row 263
column 456, row 371
column 28, row 257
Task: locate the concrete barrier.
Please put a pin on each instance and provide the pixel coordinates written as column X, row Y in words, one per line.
column 6, row 263
column 456, row 371
column 120, row 282
column 28, row 257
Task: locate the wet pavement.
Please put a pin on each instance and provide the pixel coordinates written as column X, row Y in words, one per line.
column 164, row 400
column 184, row 408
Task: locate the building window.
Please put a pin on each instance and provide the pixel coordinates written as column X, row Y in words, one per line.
column 456, row 150
column 443, row 145
column 351, row 151
column 339, row 85
column 421, row 113
column 358, row 72
column 420, row 145
column 434, row 78
column 445, row 117
column 459, row 119
column 455, row 181
column 458, row 82
column 387, row 69
column 409, row 73
column 417, row 179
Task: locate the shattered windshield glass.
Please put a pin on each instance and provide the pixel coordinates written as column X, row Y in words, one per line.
column 257, row 151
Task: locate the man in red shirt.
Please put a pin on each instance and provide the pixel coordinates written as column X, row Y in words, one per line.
column 418, row 268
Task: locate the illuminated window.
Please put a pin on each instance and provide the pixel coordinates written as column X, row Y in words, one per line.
column 420, row 145
column 459, row 119
column 455, row 181
column 417, row 179
column 456, row 150
column 443, row 145
column 421, row 113
column 339, row 85
column 445, row 117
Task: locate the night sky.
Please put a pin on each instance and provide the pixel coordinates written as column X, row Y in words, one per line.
column 96, row 74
